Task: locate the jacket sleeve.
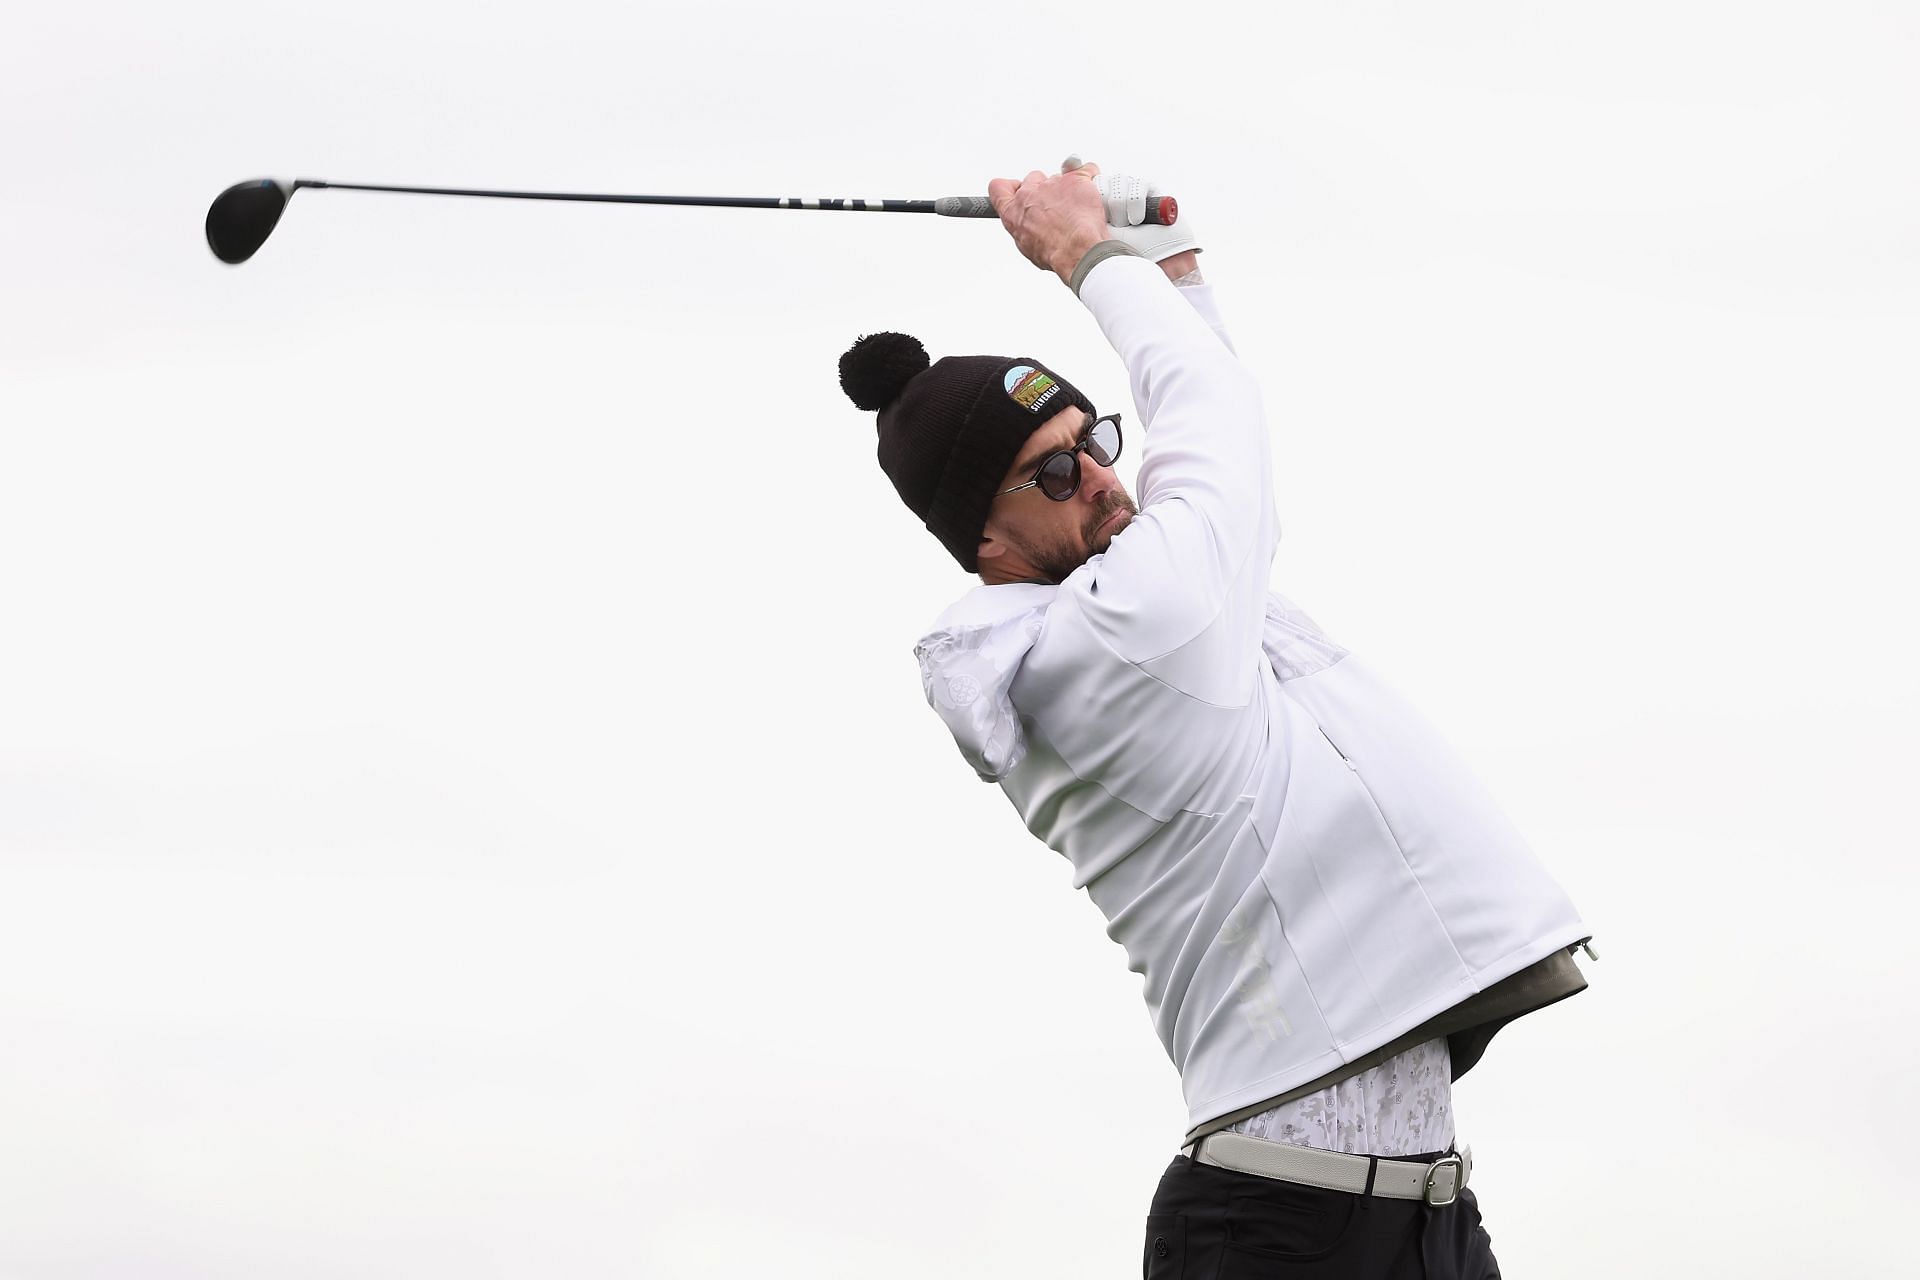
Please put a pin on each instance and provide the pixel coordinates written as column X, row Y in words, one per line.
column 1181, row 592
column 1200, row 298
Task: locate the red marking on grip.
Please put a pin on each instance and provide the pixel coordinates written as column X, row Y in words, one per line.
column 1169, row 211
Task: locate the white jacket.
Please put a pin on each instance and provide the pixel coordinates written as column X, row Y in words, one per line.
column 1294, row 860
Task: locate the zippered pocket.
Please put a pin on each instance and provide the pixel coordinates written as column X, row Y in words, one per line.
column 1345, row 758
column 1373, row 801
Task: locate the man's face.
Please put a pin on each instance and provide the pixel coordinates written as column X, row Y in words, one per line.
column 1030, row 536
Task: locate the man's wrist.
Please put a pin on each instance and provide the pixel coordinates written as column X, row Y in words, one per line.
column 1093, row 257
column 1065, row 261
column 1181, row 264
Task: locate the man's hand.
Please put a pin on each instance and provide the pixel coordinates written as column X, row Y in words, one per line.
column 1053, row 218
column 1174, row 248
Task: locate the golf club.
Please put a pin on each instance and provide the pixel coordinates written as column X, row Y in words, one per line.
column 245, row 214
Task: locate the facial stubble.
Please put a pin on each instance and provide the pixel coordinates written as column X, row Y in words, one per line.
column 1056, row 558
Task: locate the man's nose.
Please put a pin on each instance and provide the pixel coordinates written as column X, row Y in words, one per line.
column 1096, row 481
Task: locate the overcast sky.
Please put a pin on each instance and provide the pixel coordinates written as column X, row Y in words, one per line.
column 464, row 777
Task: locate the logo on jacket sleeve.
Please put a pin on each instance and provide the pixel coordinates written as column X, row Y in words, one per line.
column 1029, row 387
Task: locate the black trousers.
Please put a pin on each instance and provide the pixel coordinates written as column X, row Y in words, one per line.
column 1209, row 1223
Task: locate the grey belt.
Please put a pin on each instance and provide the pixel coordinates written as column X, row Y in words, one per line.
column 1437, row 1183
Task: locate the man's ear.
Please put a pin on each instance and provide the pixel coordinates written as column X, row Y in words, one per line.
column 992, row 562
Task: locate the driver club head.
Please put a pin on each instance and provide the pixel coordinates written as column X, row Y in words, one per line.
column 243, row 216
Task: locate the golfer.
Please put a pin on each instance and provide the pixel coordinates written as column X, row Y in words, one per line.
column 1330, row 916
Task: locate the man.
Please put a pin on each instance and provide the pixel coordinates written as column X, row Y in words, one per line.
column 1330, row 916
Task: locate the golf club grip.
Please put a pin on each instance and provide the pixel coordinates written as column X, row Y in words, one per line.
column 1161, row 210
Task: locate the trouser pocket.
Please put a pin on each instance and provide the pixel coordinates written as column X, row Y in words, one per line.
column 1291, row 1230
column 1166, row 1251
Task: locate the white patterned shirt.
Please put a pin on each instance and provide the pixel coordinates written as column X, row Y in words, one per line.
column 1402, row 1107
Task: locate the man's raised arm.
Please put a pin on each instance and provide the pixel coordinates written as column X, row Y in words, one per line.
column 1181, row 591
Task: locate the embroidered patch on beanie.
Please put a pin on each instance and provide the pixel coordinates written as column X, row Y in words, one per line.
column 1029, row 387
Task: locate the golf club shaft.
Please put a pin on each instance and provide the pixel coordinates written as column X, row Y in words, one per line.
column 1160, row 209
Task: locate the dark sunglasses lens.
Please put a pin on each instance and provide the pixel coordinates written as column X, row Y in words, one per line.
column 1103, row 444
column 1059, row 476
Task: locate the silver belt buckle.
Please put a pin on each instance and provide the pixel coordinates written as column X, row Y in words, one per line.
column 1459, row 1178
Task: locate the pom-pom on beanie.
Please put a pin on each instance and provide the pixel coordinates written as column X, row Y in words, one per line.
column 949, row 430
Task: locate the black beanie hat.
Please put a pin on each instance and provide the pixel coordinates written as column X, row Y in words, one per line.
column 949, row 431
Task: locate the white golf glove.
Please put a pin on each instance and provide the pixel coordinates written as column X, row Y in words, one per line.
column 1126, row 199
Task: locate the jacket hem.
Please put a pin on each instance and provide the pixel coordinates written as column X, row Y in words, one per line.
column 1468, row 1023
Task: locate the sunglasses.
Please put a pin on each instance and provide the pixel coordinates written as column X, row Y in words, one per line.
column 1059, row 473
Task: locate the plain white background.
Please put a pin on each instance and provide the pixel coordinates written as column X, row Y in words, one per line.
column 467, row 806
